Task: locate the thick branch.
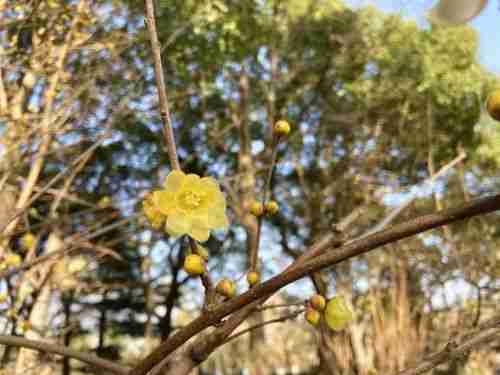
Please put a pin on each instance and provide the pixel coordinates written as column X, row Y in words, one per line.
column 66, row 352
column 357, row 247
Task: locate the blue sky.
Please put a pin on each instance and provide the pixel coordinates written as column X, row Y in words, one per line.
column 487, row 24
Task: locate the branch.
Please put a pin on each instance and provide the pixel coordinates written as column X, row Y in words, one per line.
column 281, row 319
column 168, row 131
column 64, row 351
column 454, row 349
column 357, row 247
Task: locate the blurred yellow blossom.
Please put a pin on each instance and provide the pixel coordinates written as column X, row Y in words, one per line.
column 28, row 241
column 338, row 314
column 13, row 260
column 104, row 202
column 190, row 205
column 151, row 212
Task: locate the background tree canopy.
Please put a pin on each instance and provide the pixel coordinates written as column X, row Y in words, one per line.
column 387, row 124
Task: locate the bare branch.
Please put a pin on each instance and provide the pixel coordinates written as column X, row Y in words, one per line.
column 64, row 351
column 488, row 331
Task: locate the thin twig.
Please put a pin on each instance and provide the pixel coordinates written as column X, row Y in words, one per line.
column 281, row 319
column 429, row 181
column 486, row 332
column 74, row 243
column 168, row 130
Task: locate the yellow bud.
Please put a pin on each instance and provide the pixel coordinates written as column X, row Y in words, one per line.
column 28, row 241
column 3, row 297
column 25, row 325
column 226, row 288
column 318, row 302
column 77, row 264
column 11, row 314
column 253, row 278
column 194, row 265
column 29, row 80
column 13, row 260
column 272, row 208
column 257, row 208
column 104, row 202
column 493, row 105
column 312, row 316
column 337, row 314
column 281, row 128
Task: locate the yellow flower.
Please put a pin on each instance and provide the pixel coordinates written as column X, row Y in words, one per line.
column 13, row 260
column 28, row 241
column 191, row 205
column 337, row 314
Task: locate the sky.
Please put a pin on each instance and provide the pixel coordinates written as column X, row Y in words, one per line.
column 487, row 24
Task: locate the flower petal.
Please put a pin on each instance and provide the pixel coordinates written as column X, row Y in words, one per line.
column 209, row 186
column 177, row 225
column 200, row 234
column 218, row 219
column 164, row 201
column 174, row 181
column 191, row 181
column 199, row 228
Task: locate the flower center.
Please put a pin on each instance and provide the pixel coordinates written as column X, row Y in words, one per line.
column 190, row 200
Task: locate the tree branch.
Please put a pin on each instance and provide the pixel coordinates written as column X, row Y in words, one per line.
column 66, row 352
column 357, row 247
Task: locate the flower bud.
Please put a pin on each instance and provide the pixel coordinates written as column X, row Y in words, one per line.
column 226, row 288
column 272, row 208
column 194, row 265
column 28, row 241
column 281, row 128
column 3, row 297
column 312, row 316
column 493, row 105
column 318, row 302
column 257, row 208
column 253, row 278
